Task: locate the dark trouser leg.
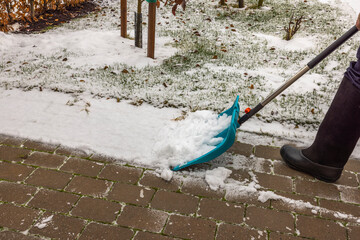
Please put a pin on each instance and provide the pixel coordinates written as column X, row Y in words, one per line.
column 335, row 140
column 340, row 130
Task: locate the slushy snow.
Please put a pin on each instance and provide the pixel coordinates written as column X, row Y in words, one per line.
column 216, row 177
column 44, row 222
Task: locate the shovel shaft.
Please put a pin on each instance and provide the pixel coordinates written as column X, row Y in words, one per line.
column 273, row 95
column 333, row 47
column 304, row 70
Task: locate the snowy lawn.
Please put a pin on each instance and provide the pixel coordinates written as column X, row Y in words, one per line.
column 84, row 86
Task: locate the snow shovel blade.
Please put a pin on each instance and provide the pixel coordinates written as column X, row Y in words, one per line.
column 228, row 136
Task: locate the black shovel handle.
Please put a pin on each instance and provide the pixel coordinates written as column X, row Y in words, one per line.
column 309, row 66
column 332, row 47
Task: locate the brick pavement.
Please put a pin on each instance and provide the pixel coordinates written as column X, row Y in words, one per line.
column 50, row 192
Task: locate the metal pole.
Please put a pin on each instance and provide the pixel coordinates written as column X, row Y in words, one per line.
column 151, row 30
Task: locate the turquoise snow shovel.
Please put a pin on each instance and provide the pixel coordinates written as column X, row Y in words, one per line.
column 228, row 134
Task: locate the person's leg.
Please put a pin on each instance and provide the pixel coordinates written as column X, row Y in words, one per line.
column 335, row 140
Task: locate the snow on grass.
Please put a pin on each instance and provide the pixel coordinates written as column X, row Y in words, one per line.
column 296, row 44
column 185, row 73
column 83, row 48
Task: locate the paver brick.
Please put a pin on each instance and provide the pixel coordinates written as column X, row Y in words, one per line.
column 319, row 229
column 241, row 149
column 274, row 220
column 241, row 175
column 339, row 207
column 3, row 137
column 45, row 160
column 354, row 232
column 150, row 179
column 267, row 152
column 82, row 166
column 49, row 178
column 96, row 231
column 103, row 158
column 294, row 202
column 349, row 194
column 121, row 173
column 235, row 232
column 8, row 235
column 274, row 182
column 280, row 168
column 13, row 141
column 199, row 187
column 89, row 186
column 62, row 150
column 319, row 189
column 243, row 196
column 174, row 202
column 278, row 236
column 13, row 154
column 253, row 164
column 150, row 236
column 18, row 218
column 39, row 146
column 58, row 226
column 131, row 194
column 348, row 179
column 96, row 209
column 353, row 165
column 15, row 192
column 190, row 228
column 53, row 200
column 221, row 210
column 150, row 220
column 14, row 172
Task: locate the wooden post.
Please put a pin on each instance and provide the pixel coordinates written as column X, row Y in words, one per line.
column 123, row 12
column 241, row 4
column 151, row 29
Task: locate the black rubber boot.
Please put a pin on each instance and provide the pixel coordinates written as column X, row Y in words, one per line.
column 335, row 140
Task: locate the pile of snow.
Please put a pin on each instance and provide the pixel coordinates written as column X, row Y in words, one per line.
column 182, row 141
